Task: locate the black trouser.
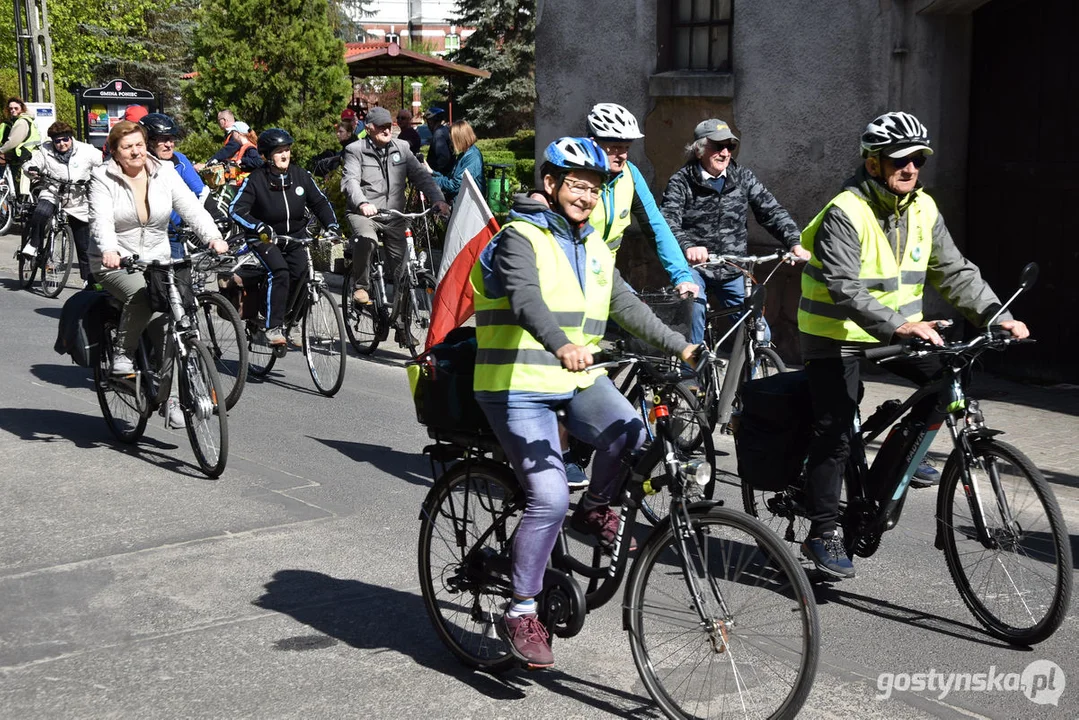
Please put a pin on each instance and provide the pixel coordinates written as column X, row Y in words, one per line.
column 285, row 266
column 80, row 231
column 835, row 388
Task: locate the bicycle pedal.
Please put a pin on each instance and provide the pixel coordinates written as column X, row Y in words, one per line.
column 280, row 350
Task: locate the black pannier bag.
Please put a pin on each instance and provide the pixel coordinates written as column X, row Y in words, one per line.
column 81, row 320
column 441, row 382
column 773, row 430
column 157, row 286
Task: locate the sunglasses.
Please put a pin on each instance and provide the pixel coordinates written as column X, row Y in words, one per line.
column 902, row 162
column 62, row 139
column 728, row 146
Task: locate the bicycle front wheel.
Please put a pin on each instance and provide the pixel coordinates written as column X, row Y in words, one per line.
column 323, row 343
column 417, row 314
column 56, row 264
column 766, row 362
column 750, row 647
column 466, row 529
column 7, row 211
column 222, row 332
column 202, row 401
column 1019, row 587
column 361, row 321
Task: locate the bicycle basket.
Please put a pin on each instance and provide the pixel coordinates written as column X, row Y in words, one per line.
column 675, row 312
column 772, row 433
column 441, row 384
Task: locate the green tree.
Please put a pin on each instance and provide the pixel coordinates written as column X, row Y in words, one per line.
column 345, row 17
column 504, row 44
column 274, row 63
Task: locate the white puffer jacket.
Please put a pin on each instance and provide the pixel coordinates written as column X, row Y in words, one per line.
column 84, row 158
column 114, row 221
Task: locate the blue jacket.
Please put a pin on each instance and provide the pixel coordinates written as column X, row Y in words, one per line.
column 471, row 160
column 191, row 178
column 653, row 225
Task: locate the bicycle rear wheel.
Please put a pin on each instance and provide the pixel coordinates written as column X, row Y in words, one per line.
column 56, row 263
column 202, row 400
column 416, row 318
column 125, row 412
column 361, row 321
column 7, row 210
column 783, row 511
column 1019, row 588
column 260, row 356
column 751, row 650
column 466, row 529
column 27, row 266
column 323, row 343
column 222, row 332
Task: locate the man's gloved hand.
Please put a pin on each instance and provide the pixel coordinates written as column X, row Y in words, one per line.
column 264, row 232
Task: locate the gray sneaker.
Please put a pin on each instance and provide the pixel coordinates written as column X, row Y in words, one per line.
column 122, row 365
column 274, row 336
column 173, row 414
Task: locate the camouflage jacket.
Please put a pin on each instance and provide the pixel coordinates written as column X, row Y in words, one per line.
column 699, row 216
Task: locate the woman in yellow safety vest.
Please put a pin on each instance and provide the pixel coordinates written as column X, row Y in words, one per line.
column 544, row 288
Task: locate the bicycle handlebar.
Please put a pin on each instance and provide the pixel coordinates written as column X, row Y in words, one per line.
column 994, row 337
column 390, row 212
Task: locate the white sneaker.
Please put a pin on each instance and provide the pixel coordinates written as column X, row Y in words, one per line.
column 122, row 365
column 173, row 414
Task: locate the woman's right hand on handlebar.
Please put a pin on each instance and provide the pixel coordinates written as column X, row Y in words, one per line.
column 575, row 358
column 110, row 259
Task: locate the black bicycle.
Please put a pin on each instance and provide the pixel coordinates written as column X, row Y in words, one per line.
column 128, row 401
column 720, row 616
column 53, row 261
column 312, row 307
column 409, row 313
column 752, row 354
column 997, row 520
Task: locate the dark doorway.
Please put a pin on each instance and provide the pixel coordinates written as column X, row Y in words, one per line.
column 1024, row 173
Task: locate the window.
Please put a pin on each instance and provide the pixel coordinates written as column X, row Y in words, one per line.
column 453, row 42
column 392, row 37
column 695, row 35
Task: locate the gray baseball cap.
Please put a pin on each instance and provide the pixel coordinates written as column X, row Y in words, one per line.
column 715, row 130
column 378, row 115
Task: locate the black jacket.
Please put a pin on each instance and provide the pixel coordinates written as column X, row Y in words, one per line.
column 283, row 210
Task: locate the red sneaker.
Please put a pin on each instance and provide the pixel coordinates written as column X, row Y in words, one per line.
column 527, row 640
column 600, row 522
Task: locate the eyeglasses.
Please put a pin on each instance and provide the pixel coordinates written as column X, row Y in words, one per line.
column 579, row 189
column 62, row 139
column 381, row 128
column 902, row 162
column 615, row 148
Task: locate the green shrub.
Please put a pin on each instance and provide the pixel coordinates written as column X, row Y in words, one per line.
column 199, row 146
column 64, row 101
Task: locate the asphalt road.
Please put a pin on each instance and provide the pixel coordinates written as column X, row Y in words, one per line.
column 133, row 587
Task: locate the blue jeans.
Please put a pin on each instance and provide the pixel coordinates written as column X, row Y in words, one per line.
column 724, row 294
column 527, row 428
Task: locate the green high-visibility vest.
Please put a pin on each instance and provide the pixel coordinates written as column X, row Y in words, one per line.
column 897, row 283
column 611, row 216
column 33, row 138
column 508, row 357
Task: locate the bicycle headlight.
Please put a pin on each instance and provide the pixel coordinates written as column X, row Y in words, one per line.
column 700, row 471
column 422, row 258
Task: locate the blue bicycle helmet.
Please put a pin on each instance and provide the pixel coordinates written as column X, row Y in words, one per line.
column 574, row 153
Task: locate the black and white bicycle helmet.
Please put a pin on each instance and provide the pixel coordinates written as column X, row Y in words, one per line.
column 895, row 130
column 608, row 121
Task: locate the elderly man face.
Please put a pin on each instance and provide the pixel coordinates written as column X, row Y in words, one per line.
column 225, row 118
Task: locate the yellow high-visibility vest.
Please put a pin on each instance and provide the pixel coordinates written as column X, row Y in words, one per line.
column 508, row 357
column 619, row 196
column 897, row 283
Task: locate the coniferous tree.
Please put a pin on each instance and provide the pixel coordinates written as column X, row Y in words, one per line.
column 274, row 63
column 504, row 44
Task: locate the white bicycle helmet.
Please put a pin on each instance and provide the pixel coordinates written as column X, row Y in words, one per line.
column 899, row 131
column 613, row 122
